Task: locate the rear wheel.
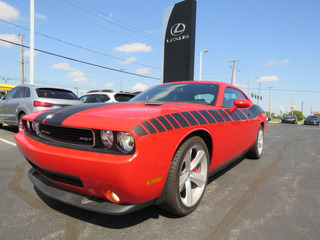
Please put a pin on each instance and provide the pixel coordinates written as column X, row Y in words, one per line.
column 187, row 178
column 256, row 151
column 20, row 122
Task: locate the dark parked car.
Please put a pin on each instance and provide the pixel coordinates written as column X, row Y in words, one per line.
column 290, row 118
column 312, row 120
column 25, row 99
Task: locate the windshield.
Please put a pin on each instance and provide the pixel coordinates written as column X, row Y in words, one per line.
column 200, row 93
column 291, row 116
column 313, row 117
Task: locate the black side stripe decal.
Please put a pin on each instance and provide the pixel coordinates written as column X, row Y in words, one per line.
column 189, row 118
column 201, row 117
column 172, row 121
column 224, row 115
column 158, row 125
column 216, row 115
column 240, row 114
column 139, row 130
column 149, row 127
column 233, row 115
column 180, row 120
column 165, row 123
column 207, row 116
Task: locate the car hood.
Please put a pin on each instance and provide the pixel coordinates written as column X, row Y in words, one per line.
column 113, row 116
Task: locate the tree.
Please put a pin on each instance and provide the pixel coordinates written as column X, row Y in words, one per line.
column 317, row 114
column 299, row 115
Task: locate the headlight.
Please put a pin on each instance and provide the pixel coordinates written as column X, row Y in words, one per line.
column 107, row 138
column 126, row 141
column 35, row 127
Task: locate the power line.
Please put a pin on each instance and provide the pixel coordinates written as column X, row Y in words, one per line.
column 113, row 18
column 81, row 61
column 108, row 20
column 85, row 20
column 78, row 46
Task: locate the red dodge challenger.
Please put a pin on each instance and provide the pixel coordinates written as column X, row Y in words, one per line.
column 158, row 148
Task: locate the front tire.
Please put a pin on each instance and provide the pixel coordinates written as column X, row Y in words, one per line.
column 187, row 178
column 256, row 151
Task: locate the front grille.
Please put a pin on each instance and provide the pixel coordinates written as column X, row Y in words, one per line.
column 75, row 136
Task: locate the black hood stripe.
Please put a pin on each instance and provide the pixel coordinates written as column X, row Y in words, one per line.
column 59, row 115
column 185, row 119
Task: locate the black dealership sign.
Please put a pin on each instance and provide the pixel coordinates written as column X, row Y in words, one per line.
column 179, row 26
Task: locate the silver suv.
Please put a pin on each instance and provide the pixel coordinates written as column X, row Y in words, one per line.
column 25, row 99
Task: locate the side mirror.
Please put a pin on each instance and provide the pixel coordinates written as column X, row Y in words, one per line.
column 240, row 103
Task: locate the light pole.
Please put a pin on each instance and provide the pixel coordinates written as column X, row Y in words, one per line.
column 201, row 62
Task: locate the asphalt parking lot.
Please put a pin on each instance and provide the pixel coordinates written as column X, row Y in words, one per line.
column 276, row 197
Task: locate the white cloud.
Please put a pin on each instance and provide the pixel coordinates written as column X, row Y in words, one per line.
column 274, row 62
column 139, row 87
column 64, row 66
column 268, row 79
column 9, row 37
column 40, row 16
column 129, row 60
column 143, row 71
column 133, row 47
column 78, row 76
column 242, row 86
column 109, row 84
column 8, row 12
column 26, row 53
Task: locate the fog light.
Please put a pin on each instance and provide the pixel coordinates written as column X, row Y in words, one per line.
column 111, row 196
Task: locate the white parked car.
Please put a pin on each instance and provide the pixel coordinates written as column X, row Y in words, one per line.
column 96, row 96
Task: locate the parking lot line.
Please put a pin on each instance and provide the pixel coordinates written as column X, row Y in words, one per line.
column 8, row 142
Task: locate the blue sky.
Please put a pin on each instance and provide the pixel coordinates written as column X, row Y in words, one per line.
column 277, row 43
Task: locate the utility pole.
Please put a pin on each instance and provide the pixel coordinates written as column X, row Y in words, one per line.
column 259, row 93
column 121, row 80
column 302, row 108
column 233, row 69
column 249, row 85
column 21, row 58
column 270, row 101
column 31, row 42
column 77, row 88
column 292, row 104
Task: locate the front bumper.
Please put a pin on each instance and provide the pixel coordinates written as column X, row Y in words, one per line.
column 80, row 200
column 289, row 121
column 311, row 123
column 95, row 174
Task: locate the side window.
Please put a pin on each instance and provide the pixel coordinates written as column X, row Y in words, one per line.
column 231, row 94
column 21, row 93
column 84, row 98
column 11, row 93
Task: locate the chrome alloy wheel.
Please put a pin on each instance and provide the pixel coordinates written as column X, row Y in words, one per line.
column 260, row 141
column 193, row 175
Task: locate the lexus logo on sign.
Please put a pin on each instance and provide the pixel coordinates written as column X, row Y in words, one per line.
column 176, row 32
column 177, row 29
